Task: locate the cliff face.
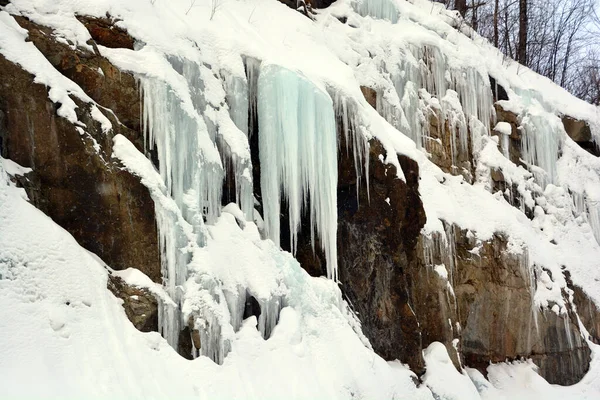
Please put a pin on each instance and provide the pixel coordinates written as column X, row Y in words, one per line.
column 408, row 285
column 74, row 180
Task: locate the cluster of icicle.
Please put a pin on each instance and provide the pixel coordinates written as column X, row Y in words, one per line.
column 463, row 97
column 298, row 157
column 425, row 86
column 199, row 144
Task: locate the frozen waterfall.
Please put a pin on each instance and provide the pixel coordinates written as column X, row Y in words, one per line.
column 298, row 156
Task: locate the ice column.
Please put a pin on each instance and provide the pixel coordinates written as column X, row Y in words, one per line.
column 298, row 156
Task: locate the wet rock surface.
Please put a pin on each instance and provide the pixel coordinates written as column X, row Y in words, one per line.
column 440, row 148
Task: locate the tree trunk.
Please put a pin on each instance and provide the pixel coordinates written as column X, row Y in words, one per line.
column 496, row 6
column 522, row 49
column 461, row 6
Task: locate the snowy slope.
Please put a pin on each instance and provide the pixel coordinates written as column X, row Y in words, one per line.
column 53, row 297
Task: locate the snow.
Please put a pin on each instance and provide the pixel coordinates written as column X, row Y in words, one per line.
column 14, row 48
column 198, row 77
column 105, row 124
column 503, row 128
column 12, row 168
column 53, row 295
column 134, row 277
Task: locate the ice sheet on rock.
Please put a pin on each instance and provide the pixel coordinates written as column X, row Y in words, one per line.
column 236, row 88
column 453, row 113
column 298, row 155
column 252, row 67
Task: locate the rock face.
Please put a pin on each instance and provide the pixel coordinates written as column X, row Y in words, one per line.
column 498, row 318
column 587, row 310
column 581, row 134
column 474, row 296
column 439, row 146
column 377, row 234
column 74, row 181
column 105, row 33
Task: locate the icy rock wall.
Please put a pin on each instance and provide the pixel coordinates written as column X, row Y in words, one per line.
column 298, row 157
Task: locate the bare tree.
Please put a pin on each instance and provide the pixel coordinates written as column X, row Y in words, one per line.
column 523, row 24
column 496, row 9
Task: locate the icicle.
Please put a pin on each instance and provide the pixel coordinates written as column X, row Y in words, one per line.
column 237, row 98
column 475, row 95
column 433, row 70
column 378, row 9
column 269, row 315
column 540, row 143
column 594, row 218
column 252, row 73
column 400, row 108
column 188, row 160
column 298, row 155
column 346, row 113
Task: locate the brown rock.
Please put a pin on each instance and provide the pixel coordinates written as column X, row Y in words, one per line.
column 439, row 146
column 105, row 33
column 140, row 305
column 581, row 134
column 514, row 146
column 499, row 320
column 497, row 175
column 370, row 95
column 577, row 130
column 587, row 310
